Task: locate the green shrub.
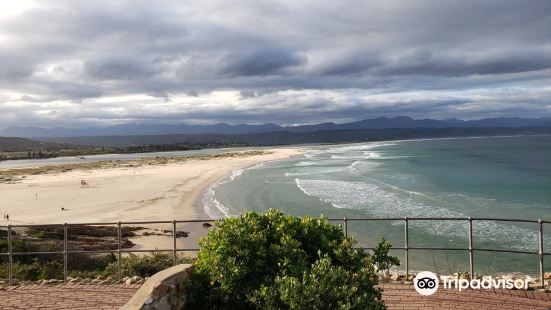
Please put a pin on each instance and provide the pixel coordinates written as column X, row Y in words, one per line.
column 34, row 270
column 18, row 245
column 90, row 266
column 324, row 286
column 381, row 259
column 145, row 265
column 52, row 270
column 90, row 262
column 256, row 261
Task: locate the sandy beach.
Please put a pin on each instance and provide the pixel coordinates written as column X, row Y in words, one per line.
column 144, row 193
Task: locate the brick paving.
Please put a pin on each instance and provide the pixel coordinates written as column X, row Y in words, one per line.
column 67, row 296
column 396, row 296
column 400, row 296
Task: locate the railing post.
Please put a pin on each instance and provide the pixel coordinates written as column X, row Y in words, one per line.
column 174, row 242
column 65, row 252
column 406, row 245
column 345, row 226
column 471, row 248
column 542, row 273
column 10, row 257
column 119, row 242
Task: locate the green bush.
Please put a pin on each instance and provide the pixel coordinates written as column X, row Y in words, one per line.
column 91, row 266
column 381, row 259
column 90, row 262
column 145, row 265
column 277, row 261
column 324, row 286
column 33, row 271
column 18, row 245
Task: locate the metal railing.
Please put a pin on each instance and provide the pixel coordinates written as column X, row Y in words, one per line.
column 471, row 249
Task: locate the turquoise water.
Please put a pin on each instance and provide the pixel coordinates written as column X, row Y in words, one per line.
column 497, row 177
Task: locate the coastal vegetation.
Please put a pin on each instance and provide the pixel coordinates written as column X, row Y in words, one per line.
column 80, row 238
column 14, row 145
column 19, row 148
column 255, row 261
column 16, row 174
column 277, row 261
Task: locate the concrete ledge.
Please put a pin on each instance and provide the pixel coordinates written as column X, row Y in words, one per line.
column 166, row 289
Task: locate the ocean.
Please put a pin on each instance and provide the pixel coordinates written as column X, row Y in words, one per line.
column 491, row 177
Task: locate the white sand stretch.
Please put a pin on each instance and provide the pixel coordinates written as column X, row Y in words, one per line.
column 158, row 192
column 148, row 193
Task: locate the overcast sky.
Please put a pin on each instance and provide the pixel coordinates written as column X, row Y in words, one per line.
column 82, row 63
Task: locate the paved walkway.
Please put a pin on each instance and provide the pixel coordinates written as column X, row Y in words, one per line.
column 397, row 296
column 67, row 296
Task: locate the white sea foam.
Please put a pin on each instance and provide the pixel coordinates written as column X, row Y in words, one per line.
column 348, row 157
column 357, row 147
column 381, row 202
column 305, row 163
column 212, row 206
column 371, row 155
column 318, row 170
column 236, row 173
column 259, row 165
column 353, row 165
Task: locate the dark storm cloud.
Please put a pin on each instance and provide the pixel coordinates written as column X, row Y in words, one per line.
column 343, row 65
column 119, row 69
column 286, row 61
column 423, row 62
column 259, row 62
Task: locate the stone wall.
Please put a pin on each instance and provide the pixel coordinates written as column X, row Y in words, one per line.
column 165, row 290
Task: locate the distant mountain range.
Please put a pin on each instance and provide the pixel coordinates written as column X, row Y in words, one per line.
column 167, row 129
column 289, row 138
column 182, row 141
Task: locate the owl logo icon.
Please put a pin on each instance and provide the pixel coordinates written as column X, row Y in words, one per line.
column 426, row 283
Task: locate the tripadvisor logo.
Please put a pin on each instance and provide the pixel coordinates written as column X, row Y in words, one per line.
column 426, row 283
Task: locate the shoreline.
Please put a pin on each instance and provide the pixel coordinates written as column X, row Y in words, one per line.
column 157, row 189
column 228, row 177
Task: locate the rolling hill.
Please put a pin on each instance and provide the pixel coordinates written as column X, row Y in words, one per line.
column 169, row 129
column 9, row 144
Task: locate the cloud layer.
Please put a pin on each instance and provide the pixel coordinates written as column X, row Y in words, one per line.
column 77, row 63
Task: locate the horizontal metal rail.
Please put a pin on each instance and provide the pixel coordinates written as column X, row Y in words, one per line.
column 471, row 249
